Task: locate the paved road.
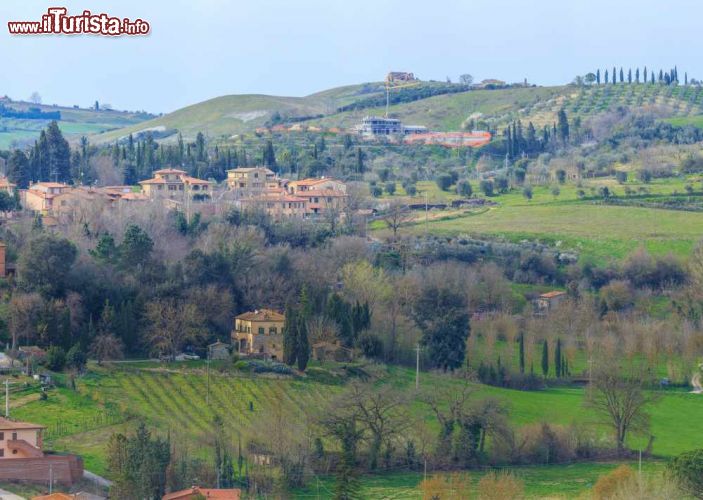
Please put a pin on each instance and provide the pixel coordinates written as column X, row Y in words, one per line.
column 99, row 480
column 6, row 495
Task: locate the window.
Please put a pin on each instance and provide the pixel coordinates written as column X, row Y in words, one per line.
column 2, row 436
column 14, row 436
column 273, row 330
column 261, row 330
column 2, row 452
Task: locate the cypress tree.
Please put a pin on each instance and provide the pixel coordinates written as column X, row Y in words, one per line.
column 522, row 353
column 303, row 345
column 622, row 75
column 606, row 76
column 652, row 76
column 545, row 358
column 563, row 125
column 598, row 76
column 557, row 359
column 637, row 75
column 629, row 75
column 645, row 74
column 290, row 337
column 615, row 76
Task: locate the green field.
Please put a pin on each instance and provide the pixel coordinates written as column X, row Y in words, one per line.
column 170, row 399
column 603, row 232
column 74, row 123
column 553, row 481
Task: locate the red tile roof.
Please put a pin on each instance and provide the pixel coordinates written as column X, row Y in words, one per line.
column 262, row 315
column 551, row 295
column 218, row 494
column 7, row 425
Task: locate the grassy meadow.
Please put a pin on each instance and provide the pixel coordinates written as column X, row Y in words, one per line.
column 586, row 226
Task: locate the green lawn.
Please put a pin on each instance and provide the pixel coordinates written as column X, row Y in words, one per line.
column 553, row 481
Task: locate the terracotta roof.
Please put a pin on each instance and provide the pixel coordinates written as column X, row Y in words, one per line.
column 221, row 494
column 5, row 182
column 321, row 192
column 169, row 171
column 551, row 295
column 194, row 180
column 262, row 315
column 156, row 181
column 245, row 170
column 312, row 181
column 55, row 496
column 49, row 184
column 7, row 424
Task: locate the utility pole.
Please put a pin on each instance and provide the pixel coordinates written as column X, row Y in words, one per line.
column 207, row 396
column 427, row 216
column 51, row 479
column 417, row 366
column 7, row 398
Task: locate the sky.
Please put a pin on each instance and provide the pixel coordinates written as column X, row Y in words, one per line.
column 200, row 49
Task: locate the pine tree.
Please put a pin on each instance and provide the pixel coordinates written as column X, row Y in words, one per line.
column 557, row 359
column 545, row 358
column 303, row 345
column 290, row 337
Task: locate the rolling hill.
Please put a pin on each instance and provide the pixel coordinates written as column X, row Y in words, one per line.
column 75, row 122
column 225, row 116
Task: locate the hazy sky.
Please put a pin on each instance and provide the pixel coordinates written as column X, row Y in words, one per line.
column 200, row 49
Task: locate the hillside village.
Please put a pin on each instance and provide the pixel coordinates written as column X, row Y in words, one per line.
column 426, row 289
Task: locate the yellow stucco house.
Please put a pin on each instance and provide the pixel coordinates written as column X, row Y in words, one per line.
column 259, row 332
column 250, row 181
column 175, row 184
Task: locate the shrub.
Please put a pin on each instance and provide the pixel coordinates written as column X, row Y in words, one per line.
column 390, row 188
column 411, row 189
column 371, row 346
column 486, row 187
column 463, row 188
column 444, row 181
column 608, row 484
column 376, row 191
column 446, row 486
column 55, row 358
column 500, row 485
column 615, row 296
column 527, row 192
column 687, row 469
column 76, row 358
column 621, row 176
column 561, row 176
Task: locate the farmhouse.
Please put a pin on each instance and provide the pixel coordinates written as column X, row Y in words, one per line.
column 400, row 76
column 22, row 457
column 174, row 184
column 218, row 350
column 548, row 301
column 259, row 332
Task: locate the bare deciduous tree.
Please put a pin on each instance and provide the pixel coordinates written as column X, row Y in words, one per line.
column 619, row 396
